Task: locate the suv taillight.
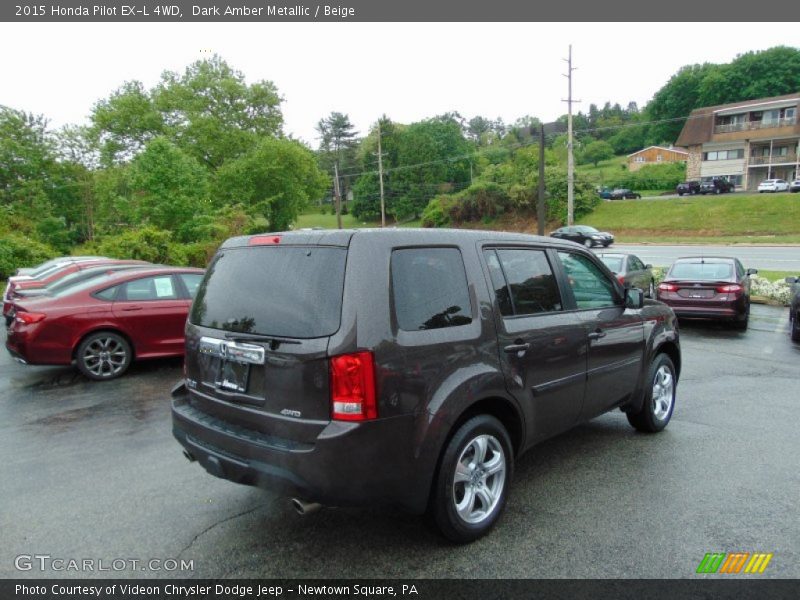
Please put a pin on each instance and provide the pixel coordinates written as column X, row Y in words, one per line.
column 353, row 387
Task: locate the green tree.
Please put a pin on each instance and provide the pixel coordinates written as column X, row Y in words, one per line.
column 338, row 146
column 274, row 181
column 596, row 151
column 170, row 186
column 209, row 111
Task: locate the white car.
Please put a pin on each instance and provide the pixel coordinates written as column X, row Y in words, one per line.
column 773, row 185
column 795, row 186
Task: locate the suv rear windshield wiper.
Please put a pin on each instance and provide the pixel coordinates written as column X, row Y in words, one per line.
column 274, row 342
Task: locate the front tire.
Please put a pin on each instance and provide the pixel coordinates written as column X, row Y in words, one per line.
column 659, row 397
column 796, row 329
column 103, row 355
column 471, row 487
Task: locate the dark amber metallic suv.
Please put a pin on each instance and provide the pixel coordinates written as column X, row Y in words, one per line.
column 410, row 367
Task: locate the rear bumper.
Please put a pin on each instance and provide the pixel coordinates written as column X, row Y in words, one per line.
column 726, row 313
column 349, row 464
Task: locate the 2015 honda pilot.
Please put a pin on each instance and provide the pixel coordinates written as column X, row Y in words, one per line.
column 410, row 367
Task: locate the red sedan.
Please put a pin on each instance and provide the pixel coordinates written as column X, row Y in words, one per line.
column 102, row 324
column 706, row 287
column 56, row 272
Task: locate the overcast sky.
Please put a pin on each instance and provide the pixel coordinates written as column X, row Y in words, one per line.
column 408, row 71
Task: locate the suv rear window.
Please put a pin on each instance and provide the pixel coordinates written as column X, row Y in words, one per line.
column 430, row 288
column 285, row 291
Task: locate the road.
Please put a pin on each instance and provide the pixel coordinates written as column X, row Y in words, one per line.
column 773, row 258
column 90, row 470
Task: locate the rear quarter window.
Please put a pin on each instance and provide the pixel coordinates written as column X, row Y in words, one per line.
column 429, row 289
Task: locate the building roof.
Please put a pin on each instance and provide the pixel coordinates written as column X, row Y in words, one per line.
column 699, row 127
column 673, row 149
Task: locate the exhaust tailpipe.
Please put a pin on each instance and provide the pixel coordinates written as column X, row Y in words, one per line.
column 302, row 507
column 188, row 456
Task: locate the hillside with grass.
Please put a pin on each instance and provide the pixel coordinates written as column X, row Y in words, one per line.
column 752, row 218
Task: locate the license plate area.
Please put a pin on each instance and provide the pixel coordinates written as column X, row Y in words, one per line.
column 232, row 376
column 229, row 363
column 696, row 293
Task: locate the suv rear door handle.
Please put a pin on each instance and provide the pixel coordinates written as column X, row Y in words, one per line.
column 521, row 347
column 596, row 335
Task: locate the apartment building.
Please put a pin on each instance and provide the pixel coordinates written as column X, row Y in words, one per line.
column 744, row 142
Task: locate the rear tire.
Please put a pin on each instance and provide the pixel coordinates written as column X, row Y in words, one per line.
column 796, row 329
column 659, row 397
column 471, row 487
column 103, row 355
column 741, row 325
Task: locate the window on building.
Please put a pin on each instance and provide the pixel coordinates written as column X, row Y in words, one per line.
column 659, row 158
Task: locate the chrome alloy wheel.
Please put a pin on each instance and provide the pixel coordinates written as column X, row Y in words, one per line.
column 105, row 357
column 663, row 392
column 479, row 479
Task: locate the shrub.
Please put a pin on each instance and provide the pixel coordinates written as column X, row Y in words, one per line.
column 148, row 243
column 17, row 251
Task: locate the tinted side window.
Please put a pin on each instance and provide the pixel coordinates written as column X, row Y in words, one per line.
column 192, row 282
column 635, row 264
column 533, row 287
column 499, row 284
column 151, row 288
column 430, row 288
column 108, row 293
column 589, row 286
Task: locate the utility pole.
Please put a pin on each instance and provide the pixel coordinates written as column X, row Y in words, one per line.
column 337, row 195
column 540, row 209
column 380, row 176
column 570, row 156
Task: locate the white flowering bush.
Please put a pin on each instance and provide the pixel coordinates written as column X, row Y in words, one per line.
column 779, row 291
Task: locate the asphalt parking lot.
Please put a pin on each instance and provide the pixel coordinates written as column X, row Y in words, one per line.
column 90, row 471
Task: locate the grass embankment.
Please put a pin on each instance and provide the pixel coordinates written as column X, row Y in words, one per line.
column 726, row 219
column 328, row 221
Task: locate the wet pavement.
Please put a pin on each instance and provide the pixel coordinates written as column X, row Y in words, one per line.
column 91, row 471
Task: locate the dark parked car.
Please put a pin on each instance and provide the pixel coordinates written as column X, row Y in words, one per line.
column 410, row 367
column 624, row 193
column 717, row 185
column 583, row 234
column 688, row 187
column 794, row 307
column 604, row 193
column 103, row 323
column 705, row 287
column 631, row 271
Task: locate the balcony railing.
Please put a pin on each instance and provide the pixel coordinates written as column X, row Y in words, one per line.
column 774, row 159
column 753, row 125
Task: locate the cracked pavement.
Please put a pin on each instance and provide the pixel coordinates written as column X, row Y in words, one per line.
column 91, row 470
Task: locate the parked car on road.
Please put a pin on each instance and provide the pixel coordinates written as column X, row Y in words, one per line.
column 584, row 234
column 623, row 193
column 773, row 185
column 630, row 271
column 688, row 187
column 604, row 193
column 795, row 186
column 716, row 185
column 333, row 387
column 705, row 287
column 103, row 323
column 794, row 307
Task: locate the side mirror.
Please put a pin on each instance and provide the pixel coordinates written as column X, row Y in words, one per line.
column 792, row 280
column 752, row 271
column 634, row 298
